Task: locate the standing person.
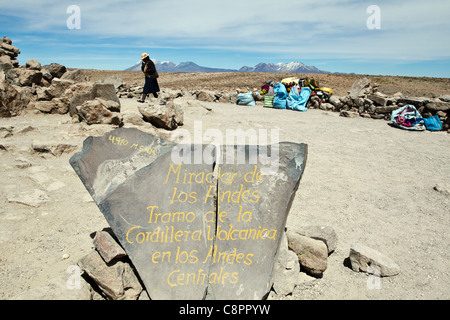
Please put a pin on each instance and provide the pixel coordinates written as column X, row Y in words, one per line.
column 151, row 77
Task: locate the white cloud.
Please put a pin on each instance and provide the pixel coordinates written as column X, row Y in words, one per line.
column 410, row 30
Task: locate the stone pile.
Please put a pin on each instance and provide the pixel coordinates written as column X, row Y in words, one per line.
column 364, row 100
column 53, row 89
column 134, row 92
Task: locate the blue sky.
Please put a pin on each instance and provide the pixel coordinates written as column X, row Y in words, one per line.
column 413, row 38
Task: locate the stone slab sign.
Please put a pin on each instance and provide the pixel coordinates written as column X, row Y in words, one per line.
column 208, row 229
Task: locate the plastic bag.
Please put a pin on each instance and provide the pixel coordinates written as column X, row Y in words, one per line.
column 433, row 123
column 297, row 100
column 280, row 100
column 246, row 99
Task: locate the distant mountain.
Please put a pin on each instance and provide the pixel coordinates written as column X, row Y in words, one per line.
column 292, row 67
column 167, row 66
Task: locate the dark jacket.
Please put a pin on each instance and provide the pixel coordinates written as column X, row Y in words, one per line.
column 149, row 69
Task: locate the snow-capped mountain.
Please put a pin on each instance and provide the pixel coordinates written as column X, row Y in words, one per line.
column 291, row 67
column 167, row 66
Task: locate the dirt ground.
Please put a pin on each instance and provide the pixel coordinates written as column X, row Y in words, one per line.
column 373, row 184
column 229, row 82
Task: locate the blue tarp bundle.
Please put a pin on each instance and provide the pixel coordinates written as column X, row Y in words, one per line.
column 246, row 99
column 297, row 100
column 280, row 100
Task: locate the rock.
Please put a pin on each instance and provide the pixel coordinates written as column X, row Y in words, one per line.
column 322, row 233
column 58, row 87
column 326, row 106
column 312, row 254
column 31, row 199
column 117, row 280
column 359, row 87
column 103, row 91
column 438, row 106
column 9, row 49
column 95, row 112
column 335, row 101
column 107, row 247
column 349, row 114
column 33, row 65
column 5, row 65
column 445, row 98
column 56, row 70
column 75, row 75
column 29, row 77
column 6, row 132
column 365, row 259
column 45, row 106
column 43, row 94
column 112, row 106
column 132, row 175
column 116, row 81
column 11, row 100
column 6, row 40
column 359, row 102
column 415, row 101
column 46, row 74
column 378, row 99
column 286, row 269
column 443, row 189
column 205, row 96
column 168, row 116
column 386, row 109
column 53, row 147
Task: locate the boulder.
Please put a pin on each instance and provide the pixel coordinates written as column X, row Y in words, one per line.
column 46, row 74
column 117, row 281
column 105, row 91
column 75, row 75
column 286, row 269
column 9, row 49
column 386, row 109
column 58, row 87
column 169, row 116
column 378, row 98
column 11, row 102
column 325, row 234
column 359, row 87
column 107, row 247
column 95, row 112
column 415, row 101
column 205, row 96
column 56, row 70
column 312, row 254
column 6, row 40
column 29, row 77
column 116, row 81
column 33, row 65
column 365, row 259
column 438, row 106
